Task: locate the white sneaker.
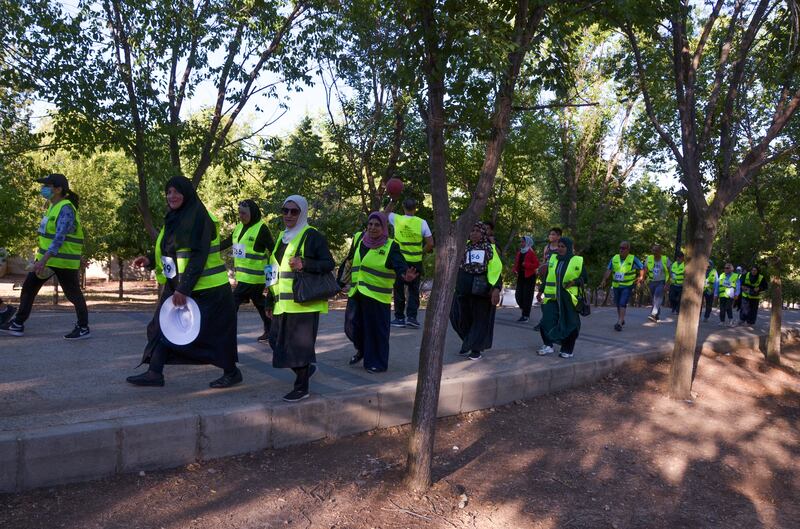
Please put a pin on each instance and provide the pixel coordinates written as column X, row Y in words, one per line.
column 731, row 323
column 545, row 350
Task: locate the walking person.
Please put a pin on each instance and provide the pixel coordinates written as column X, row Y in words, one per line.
column 187, row 259
column 478, row 287
column 6, row 311
column 548, row 251
column 415, row 239
column 251, row 241
column 727, row 290
column 627, row 270
column 754, row 283
column 526, row 263
column 59, row 253
column 561, row 322
column 657, row 267
column 709, row 288
column 293, row 332
column 676, row 273
column 377, row 262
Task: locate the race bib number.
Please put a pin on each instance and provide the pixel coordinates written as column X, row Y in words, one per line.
column 476, row 256
column 619, row 276
column 168, row 267
column 270, row 275
column 730, row 291
column 238, row 251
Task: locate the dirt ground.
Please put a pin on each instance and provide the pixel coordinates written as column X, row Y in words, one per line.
column 614, row 454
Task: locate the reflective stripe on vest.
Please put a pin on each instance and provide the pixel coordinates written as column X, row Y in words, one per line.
column 711, row 278
column 370, row 275
column 214, row 273
column 161, row 279
column 282, row 289
column 408, row 234
column 617, row 265
column 69, row 255
column 676, row 273
column 250, row 268
column 573, row 272
column 651, row 261
column 747, row 282
column 727, row 285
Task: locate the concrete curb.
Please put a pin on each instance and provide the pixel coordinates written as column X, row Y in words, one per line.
column 93, row 450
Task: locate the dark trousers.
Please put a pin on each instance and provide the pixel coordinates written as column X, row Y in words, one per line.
column 302, row 376
column 708, row 299
column 675, row 293
column 749, row 310
column 725, row 308
column 524, row 294
column 567, row 344
column 367, row 325
column 70, row 281
column 400, row 310
column 245, row 292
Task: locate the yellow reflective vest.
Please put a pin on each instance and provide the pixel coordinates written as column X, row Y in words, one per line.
column 282, row 289
column 370, row 275
column 248, row 263
column 573, row 272
column 69, row 255
column 408, row 234
column 625, row 268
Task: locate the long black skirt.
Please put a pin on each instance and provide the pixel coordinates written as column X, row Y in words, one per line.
column 366, row 324
column 472, row 317
column 216, row 343
column 292, row 337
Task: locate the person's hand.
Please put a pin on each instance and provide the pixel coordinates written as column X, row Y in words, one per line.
column 296, row 264
column 539, row 297
column 178, row 299
column 410, row 275
column 570, row 284
column 141, row 261
column 39, row 265
column 495, row 296
column 268, row 312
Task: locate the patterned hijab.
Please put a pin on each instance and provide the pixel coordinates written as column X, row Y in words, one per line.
column 528, row 244
column 484, row 245
column 368, row 241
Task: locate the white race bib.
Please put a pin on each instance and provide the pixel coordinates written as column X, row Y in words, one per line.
column 270, row 275
column 238, row 251
column 476, row 256
column 619, row 276
column 168, row 267
column 730, row 291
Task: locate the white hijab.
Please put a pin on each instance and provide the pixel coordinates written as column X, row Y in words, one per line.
column 302, row 220
column 528, row 244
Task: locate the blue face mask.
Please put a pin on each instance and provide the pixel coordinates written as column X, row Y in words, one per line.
column 47, row 192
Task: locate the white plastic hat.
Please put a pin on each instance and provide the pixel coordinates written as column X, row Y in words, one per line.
column 180, row 325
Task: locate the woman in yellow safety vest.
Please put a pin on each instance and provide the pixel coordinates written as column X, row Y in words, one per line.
column 478, row 287
column 293, row 332
column 188, row 263
column 377, row 263
column 251, row 242
column 561, row 322
column 59, row 253
column 754, row 283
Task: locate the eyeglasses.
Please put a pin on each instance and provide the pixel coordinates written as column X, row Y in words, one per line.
column 294, row 212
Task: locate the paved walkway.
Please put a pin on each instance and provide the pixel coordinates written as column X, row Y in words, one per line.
column 59, row 398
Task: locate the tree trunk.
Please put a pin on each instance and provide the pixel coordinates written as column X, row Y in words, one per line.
column 431, row 353
column 55, row 290
column 121, row 278
column 698, row 252
column 775, row 320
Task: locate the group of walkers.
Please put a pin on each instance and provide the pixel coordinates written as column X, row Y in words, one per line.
column 379, row 270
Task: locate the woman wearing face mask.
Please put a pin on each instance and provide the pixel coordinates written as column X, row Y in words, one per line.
column 251, row 241
column 561, row 322
column 377, row 263
column 478, row 287
column 293, row 333
column 59, row 254
column 188, row 263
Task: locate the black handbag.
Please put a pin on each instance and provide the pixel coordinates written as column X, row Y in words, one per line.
column 584, row 307
column 481, row 286
column 307, row 286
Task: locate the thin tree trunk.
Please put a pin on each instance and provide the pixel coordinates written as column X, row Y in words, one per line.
column 776, row 317
column 121, row 277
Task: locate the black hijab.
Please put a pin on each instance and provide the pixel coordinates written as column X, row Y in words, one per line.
column 255, row 212
column 183, row 227
column 566, row 241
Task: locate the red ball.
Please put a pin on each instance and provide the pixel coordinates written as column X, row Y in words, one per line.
column 394, row 186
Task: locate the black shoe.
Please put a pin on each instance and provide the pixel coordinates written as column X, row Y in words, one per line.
column 523, row 319
column 374, row 370
column 475, row 355
column 295, row 395
column 463, row 353
column 6, row 316
column 398, row 322
column 617, row 327
column 652, row 318
column 412, row 323
column 78, row 333
column 227, row 380
column 12, row 328
column 148, row 378
column 356, row 358
column 264, row 338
